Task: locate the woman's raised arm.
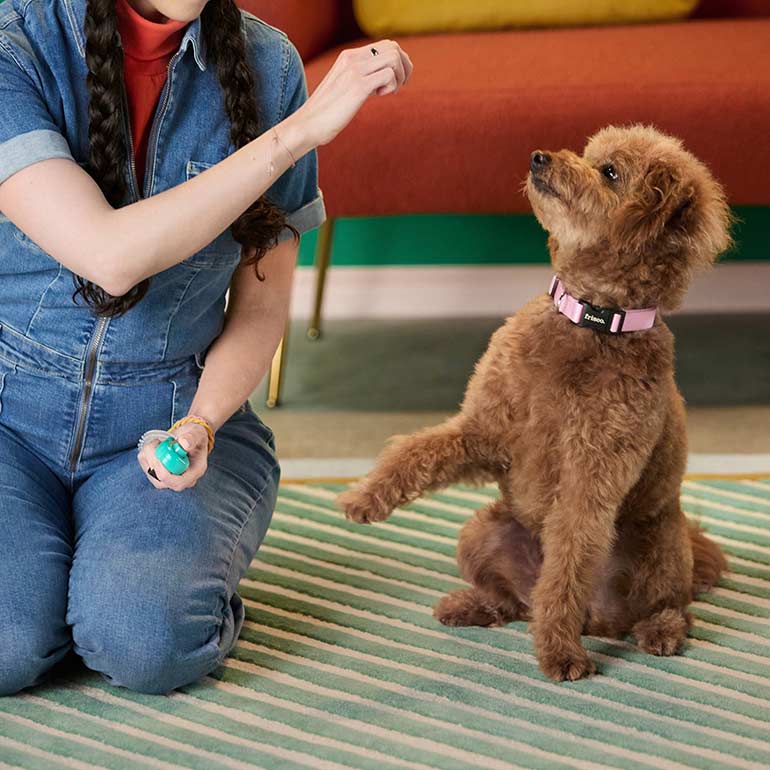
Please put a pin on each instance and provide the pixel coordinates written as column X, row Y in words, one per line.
column 60, row 207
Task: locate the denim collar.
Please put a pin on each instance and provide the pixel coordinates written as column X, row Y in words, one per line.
column 76, row 10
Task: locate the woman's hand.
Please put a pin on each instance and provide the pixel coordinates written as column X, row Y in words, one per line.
column 354, row 77
column 194, row 440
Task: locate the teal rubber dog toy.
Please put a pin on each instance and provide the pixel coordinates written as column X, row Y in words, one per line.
column 174, row 458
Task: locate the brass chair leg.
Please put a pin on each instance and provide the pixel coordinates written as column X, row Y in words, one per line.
column 322, row 258
column 275, row 378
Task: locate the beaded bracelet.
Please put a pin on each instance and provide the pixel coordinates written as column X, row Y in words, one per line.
column 199, row 421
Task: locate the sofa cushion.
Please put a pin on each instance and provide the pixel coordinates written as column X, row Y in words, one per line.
column 379, row 18
column 311, row 26
column 459, row 136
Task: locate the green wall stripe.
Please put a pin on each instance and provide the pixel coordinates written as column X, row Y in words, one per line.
column 483, row 239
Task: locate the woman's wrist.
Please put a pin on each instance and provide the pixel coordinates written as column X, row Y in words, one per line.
column 294, row 135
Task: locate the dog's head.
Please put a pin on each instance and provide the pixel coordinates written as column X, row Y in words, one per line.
column 632, row 219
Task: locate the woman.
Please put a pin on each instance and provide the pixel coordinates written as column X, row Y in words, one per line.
column 135, row 138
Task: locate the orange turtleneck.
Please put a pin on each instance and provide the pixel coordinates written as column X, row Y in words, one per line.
column 147, row 49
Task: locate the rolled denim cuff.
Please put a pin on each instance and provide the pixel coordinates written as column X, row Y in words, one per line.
column 308, row 217
column 31, row 147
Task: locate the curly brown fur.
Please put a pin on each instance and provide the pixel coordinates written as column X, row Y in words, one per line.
column 258, row 228
column 584, row 432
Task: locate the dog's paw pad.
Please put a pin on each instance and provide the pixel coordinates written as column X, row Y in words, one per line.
column 360, row 507
column 662, row 645
column 663, row 633
column 660, row 642
column 567, row 666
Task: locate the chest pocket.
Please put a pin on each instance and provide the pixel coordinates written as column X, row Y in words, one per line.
column 224, row 252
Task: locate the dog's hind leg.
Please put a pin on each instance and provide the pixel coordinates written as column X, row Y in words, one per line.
column 696, row 568
column 501, row 560
column 410, row 465
column 472, row 607
column 664, row 568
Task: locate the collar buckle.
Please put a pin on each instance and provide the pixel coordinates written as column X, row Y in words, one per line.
column 601, row 319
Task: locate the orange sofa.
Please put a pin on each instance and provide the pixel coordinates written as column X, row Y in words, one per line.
column 458, row 138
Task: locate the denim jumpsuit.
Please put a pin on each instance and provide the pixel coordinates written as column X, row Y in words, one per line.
column 139, row 582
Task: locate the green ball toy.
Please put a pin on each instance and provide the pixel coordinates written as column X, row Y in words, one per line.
column 174, row 458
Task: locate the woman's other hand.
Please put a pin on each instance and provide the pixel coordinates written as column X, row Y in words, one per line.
column 193, row 438
column 354, row 77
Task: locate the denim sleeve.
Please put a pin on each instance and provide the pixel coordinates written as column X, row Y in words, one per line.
column 27, row 131
column 297, row 192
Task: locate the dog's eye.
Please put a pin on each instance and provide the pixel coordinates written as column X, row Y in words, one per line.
column 609, row 172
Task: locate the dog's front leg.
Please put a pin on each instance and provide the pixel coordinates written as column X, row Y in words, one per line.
column 428, row 459
column 593, row 473
column 576, row 539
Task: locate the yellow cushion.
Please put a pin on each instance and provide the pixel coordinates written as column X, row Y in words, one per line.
column 379, row 18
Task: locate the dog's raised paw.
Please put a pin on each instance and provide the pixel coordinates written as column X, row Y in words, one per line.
column 361, row 507
column 567, row 665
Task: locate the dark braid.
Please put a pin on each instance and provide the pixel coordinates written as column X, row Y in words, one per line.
column 261, row 224
column 258, row 227
column 109, row 151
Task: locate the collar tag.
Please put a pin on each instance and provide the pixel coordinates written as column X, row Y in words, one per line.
column 609, row 320
column 600, row 318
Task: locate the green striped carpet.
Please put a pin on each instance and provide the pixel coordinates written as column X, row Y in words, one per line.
column 341, row 665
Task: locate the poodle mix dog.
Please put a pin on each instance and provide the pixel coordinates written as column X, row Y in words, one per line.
column 574, row 412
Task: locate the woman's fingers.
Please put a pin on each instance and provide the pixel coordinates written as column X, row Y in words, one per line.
column 356, row 75
column 403, row 63
column 165, row 479
column 382, row 82
column 389, row 54
column 408, row 66
column 147, row 460
column 194, row 440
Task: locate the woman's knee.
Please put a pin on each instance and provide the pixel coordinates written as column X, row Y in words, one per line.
column 155, row 667
column 26, row 656
column 154, row 651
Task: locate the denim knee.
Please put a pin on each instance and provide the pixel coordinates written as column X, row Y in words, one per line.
column 153, row 666
column 25, row 658
column 155, row 652
column 154, row 670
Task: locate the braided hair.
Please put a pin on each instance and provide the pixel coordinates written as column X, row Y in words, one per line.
column 258, row 228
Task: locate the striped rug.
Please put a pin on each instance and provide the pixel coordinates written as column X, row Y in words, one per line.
column 341, row 665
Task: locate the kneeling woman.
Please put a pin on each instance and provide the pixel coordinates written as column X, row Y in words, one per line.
column 135, row 138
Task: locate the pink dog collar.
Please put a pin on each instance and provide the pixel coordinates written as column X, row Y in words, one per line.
column 611, row 320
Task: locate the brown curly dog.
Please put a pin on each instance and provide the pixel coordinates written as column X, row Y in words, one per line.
column 583, row 430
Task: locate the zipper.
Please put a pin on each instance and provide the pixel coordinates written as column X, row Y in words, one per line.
column 89, row 375
column 96, row 338
column 133, row 178
column 159, row 115
column 98, row 334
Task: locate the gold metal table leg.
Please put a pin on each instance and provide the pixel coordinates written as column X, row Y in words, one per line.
column 322, row 259
column 275, row 379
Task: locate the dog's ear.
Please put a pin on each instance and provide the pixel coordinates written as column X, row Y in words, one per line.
column 661, row 202
column 553, row 245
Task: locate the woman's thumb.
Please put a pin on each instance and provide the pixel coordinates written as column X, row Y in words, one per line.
column 185, row 442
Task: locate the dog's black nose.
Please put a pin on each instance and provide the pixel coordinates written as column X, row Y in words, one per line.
column 539, row 160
